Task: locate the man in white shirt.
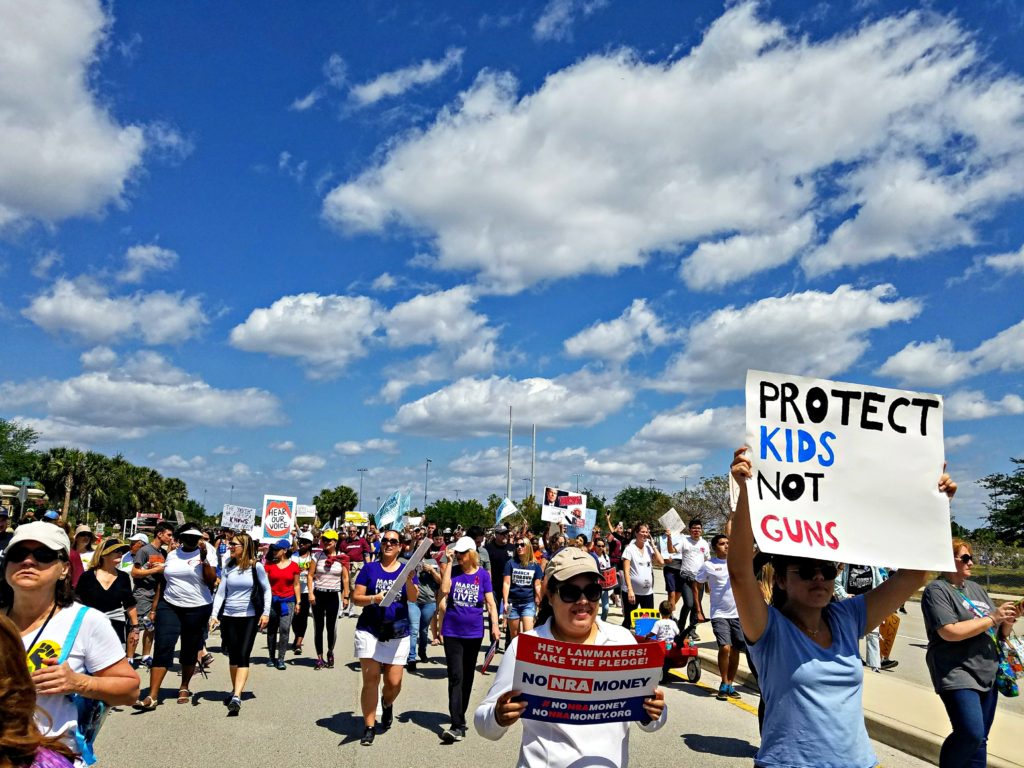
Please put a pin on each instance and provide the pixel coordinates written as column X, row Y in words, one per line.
column 693, row 551
column 725, row 619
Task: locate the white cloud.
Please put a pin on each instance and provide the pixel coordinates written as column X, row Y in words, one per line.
column 296, row 171
column 1007, row 263
column 307, row 463
column 374, row 445
column 335, row 76
column 811, row 333
column 63, row 154
column 711, row 427
column 957, row 442
column 140, row 259
column 618, row 340
column 98, row 358
column 54, row 432
column 85, row 309
column 325, row 333
column 45, row 263
column 144, row 394
column 384, row 282
column 240, row 470
column 937, row 363
column 303, row 103
column 965, row 405
column 745, row 140
column 476, row 407
column 284, row 445
column 225, row 450
column 557, row 18
column 178, row 463
column 391, row 84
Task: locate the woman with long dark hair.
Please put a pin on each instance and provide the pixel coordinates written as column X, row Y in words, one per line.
column 283, row 574
column 242, row 605
column 71, row 649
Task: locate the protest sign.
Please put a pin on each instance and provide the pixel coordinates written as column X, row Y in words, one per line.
column 389, row 511
column 489, row 658
column 505, row 509
column 563, row 507
column 589, row 520
column 672, row 522
column 407, row 570
column 305, row 511
column 846, row 472
column 575, row 683
column 278, row 517
column 237, row 518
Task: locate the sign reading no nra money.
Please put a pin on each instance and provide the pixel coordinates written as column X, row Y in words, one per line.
column 846, row 472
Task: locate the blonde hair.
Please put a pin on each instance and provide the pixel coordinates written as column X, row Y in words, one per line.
column 248, row 557
column 527, row 557
column 471, row 559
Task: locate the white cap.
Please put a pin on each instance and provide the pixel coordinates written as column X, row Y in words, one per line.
column 305, row 536
column 140, row 537
column 47, row 534
column 190, row 531
column 465, row 544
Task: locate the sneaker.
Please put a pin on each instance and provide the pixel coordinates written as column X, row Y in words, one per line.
column 330, row 661
column 147, row 662
column 460, row 732
column 297, row 650
column 732, row 692
column 723, row 692
column 280, row 664
column 271, row 663
column 411, row 666
column 889, row 663
column 234, row 705
column 368, row 735
column 320, row 664
column 387, row 717
column 449, row 736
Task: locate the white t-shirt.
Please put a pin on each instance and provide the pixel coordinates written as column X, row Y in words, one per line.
column 694, row 552
column 716, row 573
column 665, row 630
column 672, row 559
column 96, row 648
column 641, row 571
column 183, row 579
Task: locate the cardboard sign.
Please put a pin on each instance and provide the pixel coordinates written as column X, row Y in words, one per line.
column 846, row 472
column 575, row 683
column 563, row 507
column 237, row 518
column 278, row 517
column 305, row 511
column 403, row 575
column 672, row 522
column 589, row 521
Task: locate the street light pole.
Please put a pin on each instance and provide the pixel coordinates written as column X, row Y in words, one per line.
column 650, row 480
column 231, row 497
column 426, row 480
column 577, row 475
column 684, row 478
column 361, row 472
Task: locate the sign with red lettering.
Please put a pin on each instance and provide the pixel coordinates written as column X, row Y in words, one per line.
column 575, row 683
column 564, row 507
column 278, row 517
column 846, row 472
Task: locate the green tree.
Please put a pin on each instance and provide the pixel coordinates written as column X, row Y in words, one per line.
column 448, row 513
column 1006, row 503
column 195, row 512
column 707, row 501
column 636, row 504
column 60, row 470
column 333, row 503
column 17, row 459
column 596, row 501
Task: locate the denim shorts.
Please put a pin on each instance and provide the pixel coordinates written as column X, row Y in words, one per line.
column 524, row 610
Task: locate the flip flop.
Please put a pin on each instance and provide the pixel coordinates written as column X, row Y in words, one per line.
column 146, row 704
column 184, row 696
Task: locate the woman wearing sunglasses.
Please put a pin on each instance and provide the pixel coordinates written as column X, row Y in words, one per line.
column 963, row 627
column 521, row 588
column 108, row 589
column 807, row 648
column 241, row 605
column 382, row 633
column 330, row 584
column 569, row 614
column 466, row 591
column 36, row 595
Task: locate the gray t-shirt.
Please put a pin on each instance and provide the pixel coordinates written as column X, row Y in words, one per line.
column 147, row 557
column 966, row 664
column 427, row 583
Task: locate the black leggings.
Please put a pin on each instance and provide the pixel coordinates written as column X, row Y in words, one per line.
column 301, row 618
column 237, row 636
column 172, row 623
column 460, row 657
column 688, row 613
column 642, row 601
column 325, row 612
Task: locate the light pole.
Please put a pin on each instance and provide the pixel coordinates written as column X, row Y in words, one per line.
column 577, row 475
column 457, row 492
column 684, row 478
column 528, row 481
column 361, row 473
column 426, row 479
column 204, row 501
column 650, row 480
column 231, row 496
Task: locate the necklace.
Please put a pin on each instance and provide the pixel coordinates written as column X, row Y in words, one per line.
column 813, row 634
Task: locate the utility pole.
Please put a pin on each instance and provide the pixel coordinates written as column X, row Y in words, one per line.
column 231, row 498
column 426, row 479
column 650, row 480
column 577, row 475
column 508, row 475
column 684, row 478
column 361, row 473
column 457, row 492
column 533, row 465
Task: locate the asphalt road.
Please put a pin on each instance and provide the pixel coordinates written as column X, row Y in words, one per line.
column 301, row 717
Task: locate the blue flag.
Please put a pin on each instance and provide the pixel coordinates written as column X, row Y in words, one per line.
column 389, row 511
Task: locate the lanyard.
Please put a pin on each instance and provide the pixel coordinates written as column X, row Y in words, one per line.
column 40, row 632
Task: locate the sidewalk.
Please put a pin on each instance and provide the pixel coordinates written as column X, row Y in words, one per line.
column 911, row 718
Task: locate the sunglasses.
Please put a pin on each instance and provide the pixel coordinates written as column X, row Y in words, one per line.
column 42, row 555
column 966, row 558
column 390, row 542
column 234, row 544
column 571, row 593
column 520, row 544
column 807, row 571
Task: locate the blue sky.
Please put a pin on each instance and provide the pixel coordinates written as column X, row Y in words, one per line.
column 263, row 248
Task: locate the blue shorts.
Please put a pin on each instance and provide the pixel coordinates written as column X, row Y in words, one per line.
column 524, row 610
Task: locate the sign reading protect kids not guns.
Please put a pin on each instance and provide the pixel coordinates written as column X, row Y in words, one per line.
column 278, row 517
column 574, row 683
column 846, row 472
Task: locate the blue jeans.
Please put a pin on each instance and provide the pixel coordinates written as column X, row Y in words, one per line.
column 605, row 595
column 419, row 628
column 971, row 714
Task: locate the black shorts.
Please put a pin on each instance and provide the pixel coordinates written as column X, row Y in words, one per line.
column 728, row 632
column 673, row 583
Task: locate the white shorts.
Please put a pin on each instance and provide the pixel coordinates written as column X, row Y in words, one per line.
column 382, row 651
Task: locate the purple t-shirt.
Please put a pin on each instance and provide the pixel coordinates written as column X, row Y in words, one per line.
column 464, row 616
column 374, row 618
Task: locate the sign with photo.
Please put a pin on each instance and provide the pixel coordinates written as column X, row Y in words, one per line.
column 566, row 507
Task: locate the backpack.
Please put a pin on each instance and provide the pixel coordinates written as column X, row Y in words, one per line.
column 91, row 712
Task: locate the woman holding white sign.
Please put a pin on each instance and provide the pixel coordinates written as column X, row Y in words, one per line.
column 637, row 567
column 806, row 647
column 569, row 612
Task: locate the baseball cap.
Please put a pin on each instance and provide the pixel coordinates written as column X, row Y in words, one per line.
column 51, row 514
column 305, row 536
column 4, row 512
column 571, row 561
column 501, row 529
column 447, row 530
column 140, row 537
column 465, row 544
column 281, row 544
column 330, row 534
column 49, row 536
column 84, row 529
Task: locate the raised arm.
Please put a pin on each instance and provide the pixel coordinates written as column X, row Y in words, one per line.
column 745, row 588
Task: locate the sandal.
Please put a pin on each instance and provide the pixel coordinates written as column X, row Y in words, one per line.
column 184, row 696
column 146, row 704
column 207, row 661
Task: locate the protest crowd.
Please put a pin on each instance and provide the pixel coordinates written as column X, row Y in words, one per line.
column 102, row 623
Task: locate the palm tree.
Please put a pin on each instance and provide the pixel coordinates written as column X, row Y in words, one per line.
column 62, row 467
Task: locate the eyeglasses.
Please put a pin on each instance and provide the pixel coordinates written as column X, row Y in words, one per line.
column 966, row 558
column 390, row 542
column 234, row 544
column 42, row 555
column 807, row 571
column 599, row 544
column 571, row 593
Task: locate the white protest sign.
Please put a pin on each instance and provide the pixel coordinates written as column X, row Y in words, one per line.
column 278, row 517
column 237, row 518
column 305, row 511
column 847, row 472
column 672, row 522
column 563, row 507
column 407, row 570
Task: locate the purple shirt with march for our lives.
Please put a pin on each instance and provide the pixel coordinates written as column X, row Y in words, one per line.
column 464, row 614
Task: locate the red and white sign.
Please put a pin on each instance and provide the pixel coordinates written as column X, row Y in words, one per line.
column 278, row 517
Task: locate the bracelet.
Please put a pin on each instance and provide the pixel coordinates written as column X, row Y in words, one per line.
column 994, row 622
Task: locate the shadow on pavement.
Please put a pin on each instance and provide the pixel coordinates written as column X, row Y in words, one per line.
column 429, row 721
column 431, row 673
column 719, row 745
column 346, row 724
